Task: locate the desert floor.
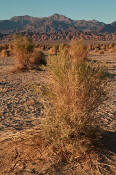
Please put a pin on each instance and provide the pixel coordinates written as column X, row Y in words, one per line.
column 21, row 108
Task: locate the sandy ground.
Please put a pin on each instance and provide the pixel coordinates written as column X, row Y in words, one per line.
column 20, row 110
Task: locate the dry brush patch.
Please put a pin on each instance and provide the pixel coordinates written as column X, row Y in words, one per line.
column 26, row 55
column 4, row 50
column 38, row 58
column 22, row 48
column 78, row 50
column 70, row 126
column 73, row 149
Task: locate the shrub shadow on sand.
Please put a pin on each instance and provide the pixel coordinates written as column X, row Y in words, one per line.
column 109, row 141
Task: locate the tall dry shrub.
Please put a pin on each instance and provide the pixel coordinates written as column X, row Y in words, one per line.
column 22, row 48
column 78, row 50
column 75, row 90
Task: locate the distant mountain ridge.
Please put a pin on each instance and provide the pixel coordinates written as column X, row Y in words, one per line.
column 52, row 24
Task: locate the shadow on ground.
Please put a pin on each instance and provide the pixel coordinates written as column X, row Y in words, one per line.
column 109, row 141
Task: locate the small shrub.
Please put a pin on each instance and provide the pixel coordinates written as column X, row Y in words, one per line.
column 111, row 50
column 96, row 50
column 75, row 90
column 101, row 52
column 53, row 50
column 78, row 50
column 5, row 53
column 89, row 47
column 3, row 47
column 111, row 45
column 38, row 58
column 103, row 47
column 22, row 49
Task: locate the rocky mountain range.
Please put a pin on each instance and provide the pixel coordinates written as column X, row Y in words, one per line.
column 52, row 24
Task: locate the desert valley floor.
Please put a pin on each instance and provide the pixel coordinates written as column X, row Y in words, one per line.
column 20, row 110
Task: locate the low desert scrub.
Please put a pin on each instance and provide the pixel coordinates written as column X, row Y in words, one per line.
column 114, row 57
column 4, row 50
column 5, row 53
column 101, row 52
column 103, row 47
column 3, row 47
column 70, row 126
column 78, row 50
column 111, row 50
column 22, row 49
column 63, row 46
column 38, row 58
column 89, row 47
column 111, row 45
column 53, row 50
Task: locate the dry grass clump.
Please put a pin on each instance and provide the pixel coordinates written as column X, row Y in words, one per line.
column 3, row 47
column 53, row 50
column 4, row 53
column 38, row 58
column 90, row 47
column 101, row 52
column 78, row 50
column 4, row 50
column 103, row 47
column 75, row 90
column 63, row 46
column 22, row 49
column 111, row 45
column 96, row 50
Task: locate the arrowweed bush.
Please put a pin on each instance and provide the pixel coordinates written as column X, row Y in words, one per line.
column 22, row 49
column 75, row 91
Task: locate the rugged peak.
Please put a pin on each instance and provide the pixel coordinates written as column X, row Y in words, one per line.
column 59, row 17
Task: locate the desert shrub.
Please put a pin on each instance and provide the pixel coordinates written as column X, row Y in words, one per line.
column 64, row 49
column 96, row 50
column 10, row 48
column 53, row 50
column 3, row 46
column 89, row 47
column 38, row 58
column 22, row 48
column 111, row 50
column 75, row 90
column 111, row 45
column 78, row 50
column 63, row 46
column 5, row 53
column 101, row 52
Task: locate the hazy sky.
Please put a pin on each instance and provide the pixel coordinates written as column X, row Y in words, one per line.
column 102, row 10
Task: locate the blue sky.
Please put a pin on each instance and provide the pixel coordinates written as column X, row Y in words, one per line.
column 102, row 10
